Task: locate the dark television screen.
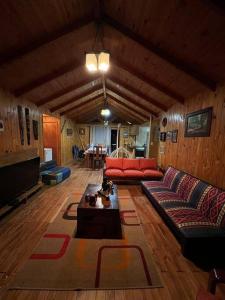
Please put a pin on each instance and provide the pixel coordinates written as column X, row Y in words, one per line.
column 17, row 178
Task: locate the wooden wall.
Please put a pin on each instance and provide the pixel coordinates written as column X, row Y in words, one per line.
column 203, row 157
column 10, row 138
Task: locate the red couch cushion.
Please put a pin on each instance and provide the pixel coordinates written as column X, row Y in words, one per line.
column 133, row 173
column 152, row 173
column 148, row 163
column 114, row 173
column 114, row 163
column 131, row 164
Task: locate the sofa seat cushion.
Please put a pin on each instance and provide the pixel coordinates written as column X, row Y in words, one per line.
column 186, row 216
column 165, row 196
column 133, row 173
column 114, row 173
column 153, row 173
column 148, row 163
column 131, row 164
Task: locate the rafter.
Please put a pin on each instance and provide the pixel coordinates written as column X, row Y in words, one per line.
column 85, row 113
column 127, row 107
column 126, row 118
column 125, row 111
column 178, row 64
column 135, row 91
column 46, row 78
column 65, row 91
column 76, row 98
column 46, row 39
column 150, row 81
column 132, row 101
column 80, row 105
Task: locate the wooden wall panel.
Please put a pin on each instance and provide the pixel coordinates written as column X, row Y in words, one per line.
column 10, row 137
column 203, row 157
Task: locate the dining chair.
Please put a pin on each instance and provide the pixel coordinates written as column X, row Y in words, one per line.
column 97, row 157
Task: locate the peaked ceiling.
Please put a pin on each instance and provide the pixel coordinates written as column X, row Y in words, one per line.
column 162, row 52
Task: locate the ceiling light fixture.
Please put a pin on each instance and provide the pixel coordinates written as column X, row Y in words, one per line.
column 98, row 59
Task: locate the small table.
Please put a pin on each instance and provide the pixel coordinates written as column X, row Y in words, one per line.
column 101, row 221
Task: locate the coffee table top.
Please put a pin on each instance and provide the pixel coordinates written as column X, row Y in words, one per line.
column 100, row 203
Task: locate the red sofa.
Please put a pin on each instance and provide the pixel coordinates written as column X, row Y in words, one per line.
column 132, row 169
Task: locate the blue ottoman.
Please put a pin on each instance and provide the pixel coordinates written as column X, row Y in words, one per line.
column 52, row 174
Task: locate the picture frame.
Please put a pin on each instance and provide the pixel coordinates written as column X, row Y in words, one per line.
column 198, row 123
column 169, row 135
column 81, row 131
column 174, row 136
column 162, row 136
column 2, row 128
column 69, row 131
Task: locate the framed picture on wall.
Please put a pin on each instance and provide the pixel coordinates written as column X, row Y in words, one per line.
column 82, row 131
column 174, row 136
column 198, row 123
column 162, row 136
column 169, row 135
column 1, row 125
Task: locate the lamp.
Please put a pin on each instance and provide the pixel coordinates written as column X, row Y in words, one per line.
column 97, row 61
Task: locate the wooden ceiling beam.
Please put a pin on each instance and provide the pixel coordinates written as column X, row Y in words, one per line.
column 80, row 105
column 126, row 112
column 46, row 78
column 150, row 81
column 178, row 64
column 134, row 102
column 76, row 98
column 65, row 91
column 131, row 110
column 85, row 113
column 125, row 117
column 14, row 54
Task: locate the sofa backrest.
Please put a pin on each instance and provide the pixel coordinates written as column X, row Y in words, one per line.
column 172, row 178
column 114, row 163
column 148, row 163
column 131, row 164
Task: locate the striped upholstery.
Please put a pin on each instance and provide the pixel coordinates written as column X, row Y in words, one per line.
column 217, row 210
column 186, row 187
column 170, row 176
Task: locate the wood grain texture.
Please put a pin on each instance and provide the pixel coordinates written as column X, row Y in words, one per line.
column 201, row 156
column 10, row 137
column 22, row 229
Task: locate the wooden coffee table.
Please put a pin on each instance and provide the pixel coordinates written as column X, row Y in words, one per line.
column 101, row 221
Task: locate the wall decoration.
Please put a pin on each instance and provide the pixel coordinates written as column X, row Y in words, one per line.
column 2, row 125
column 162, row 136
column 82, row 131
column 69, row 131
column 162, row 149
column 169, row 135
column 198, row 123
column 35, row 129
column 164, row 122
column 21, row 126
column 27, row 118
column 174, row 136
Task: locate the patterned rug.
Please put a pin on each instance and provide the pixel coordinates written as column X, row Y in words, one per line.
column 62, row 262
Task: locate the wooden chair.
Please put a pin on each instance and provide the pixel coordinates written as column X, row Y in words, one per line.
column 97, row 157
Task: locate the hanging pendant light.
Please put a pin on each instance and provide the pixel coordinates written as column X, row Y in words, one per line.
column 103, row 61
column 91, row 62
column 105, row 112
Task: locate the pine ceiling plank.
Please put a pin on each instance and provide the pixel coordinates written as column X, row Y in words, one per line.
column 125, row 117
column 68, row 89
column 178, row 64
column 132, row 101
column 78, row 97
column 150, row 81
column 17, row 53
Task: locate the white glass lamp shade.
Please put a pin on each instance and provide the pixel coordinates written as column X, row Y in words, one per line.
column 91, row 62
column 105, row 112
column 103, row 61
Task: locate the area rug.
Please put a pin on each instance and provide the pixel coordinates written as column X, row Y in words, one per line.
column 63, row 262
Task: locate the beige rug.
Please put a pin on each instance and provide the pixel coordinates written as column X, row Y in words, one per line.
column 62, row 262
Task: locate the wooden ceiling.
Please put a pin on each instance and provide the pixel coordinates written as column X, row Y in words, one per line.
column 162, row 52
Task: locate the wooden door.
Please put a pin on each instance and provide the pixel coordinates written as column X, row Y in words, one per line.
column 51, row 136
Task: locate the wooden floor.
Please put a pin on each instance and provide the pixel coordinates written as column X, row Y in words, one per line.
column 22, row 229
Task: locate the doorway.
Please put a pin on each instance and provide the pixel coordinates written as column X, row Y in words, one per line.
column 113, row 145
column 51, row 138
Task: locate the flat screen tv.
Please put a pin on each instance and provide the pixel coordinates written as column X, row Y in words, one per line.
column 17, row 178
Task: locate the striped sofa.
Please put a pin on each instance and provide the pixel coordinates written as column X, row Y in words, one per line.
column 195, row 211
